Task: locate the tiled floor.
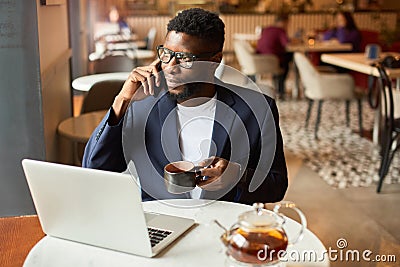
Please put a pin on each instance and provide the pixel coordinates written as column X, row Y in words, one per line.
column 366, row 220
column 340, row 156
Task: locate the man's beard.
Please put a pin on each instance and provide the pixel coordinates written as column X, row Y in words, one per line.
column 188, row 91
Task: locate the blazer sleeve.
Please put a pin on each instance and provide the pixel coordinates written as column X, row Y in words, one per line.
column 275, row 183
column 104, row 148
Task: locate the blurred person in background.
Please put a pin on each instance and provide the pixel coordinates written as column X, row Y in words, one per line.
column 114, row 17
column 345, row 31
column 274, row 40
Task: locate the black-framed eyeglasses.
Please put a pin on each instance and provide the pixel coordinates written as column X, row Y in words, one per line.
column 184, row 59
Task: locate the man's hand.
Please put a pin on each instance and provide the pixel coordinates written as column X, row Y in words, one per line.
column 140, row 84
column 221, row 174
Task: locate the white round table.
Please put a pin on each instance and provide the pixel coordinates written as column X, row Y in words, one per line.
column 84, row 83
column 136, row 55
column 200, row 246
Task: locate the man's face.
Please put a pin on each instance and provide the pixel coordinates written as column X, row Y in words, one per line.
column 182, row 81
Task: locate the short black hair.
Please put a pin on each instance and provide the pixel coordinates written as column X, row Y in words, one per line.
column 201, row 23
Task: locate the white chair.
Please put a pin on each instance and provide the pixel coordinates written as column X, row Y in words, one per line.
column 253, row 64
column 320, row 86
column 150, row 38
column 232, row 76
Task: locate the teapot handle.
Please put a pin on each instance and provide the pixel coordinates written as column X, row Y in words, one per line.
column 303, row 220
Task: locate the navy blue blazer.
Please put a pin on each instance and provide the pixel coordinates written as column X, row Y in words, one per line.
column 246, row 130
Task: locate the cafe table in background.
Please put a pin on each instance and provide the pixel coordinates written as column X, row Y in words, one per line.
column 84, row 83
column 319, row 46
column 200, row 246
column 311, row 45
column 131, row 54
column 360, row 63
column 313, row 49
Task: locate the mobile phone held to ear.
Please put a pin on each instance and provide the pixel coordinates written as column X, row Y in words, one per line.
column 163, row 83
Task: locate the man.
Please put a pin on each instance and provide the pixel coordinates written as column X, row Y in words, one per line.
column 274, row 40
column 198, row 118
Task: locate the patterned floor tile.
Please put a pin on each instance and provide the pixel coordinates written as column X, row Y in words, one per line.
column 340, row 156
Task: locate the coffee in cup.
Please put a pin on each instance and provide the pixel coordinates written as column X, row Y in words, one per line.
column 181, row 176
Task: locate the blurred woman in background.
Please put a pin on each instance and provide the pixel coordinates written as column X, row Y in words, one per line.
column 114, row 17
column 345, row 31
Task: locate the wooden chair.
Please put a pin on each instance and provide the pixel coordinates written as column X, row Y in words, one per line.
column 117, row 62
column 391, row 125
column 101, row 95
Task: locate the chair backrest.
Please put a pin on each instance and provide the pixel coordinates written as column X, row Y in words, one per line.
column 252, row 63
column 219, row 72
column 389, row 107
column 114, row 63
column 101, row 95
column 151, row 36
column 244, row 51
column 308, row 74
column 339, row 86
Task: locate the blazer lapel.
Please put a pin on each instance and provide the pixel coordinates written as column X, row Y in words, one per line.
column 224, row 118
column 169, row 130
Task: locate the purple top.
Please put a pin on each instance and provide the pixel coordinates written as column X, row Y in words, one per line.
column 345, row 36
column 273, row 41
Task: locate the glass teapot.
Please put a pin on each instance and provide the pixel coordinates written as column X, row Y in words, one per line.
column 258, row 238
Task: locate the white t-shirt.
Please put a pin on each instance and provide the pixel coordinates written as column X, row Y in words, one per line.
column 195, row 127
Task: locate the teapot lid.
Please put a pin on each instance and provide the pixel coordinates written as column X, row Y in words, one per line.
column 259, row 217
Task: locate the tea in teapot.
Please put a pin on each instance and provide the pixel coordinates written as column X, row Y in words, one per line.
column 254, row 250
column 258, row 237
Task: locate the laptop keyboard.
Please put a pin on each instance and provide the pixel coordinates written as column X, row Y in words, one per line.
column 157, row 235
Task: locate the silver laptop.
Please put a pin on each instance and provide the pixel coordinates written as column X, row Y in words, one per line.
column 98, row 208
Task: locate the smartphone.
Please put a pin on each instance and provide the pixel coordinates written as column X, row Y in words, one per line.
column 163, row 83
